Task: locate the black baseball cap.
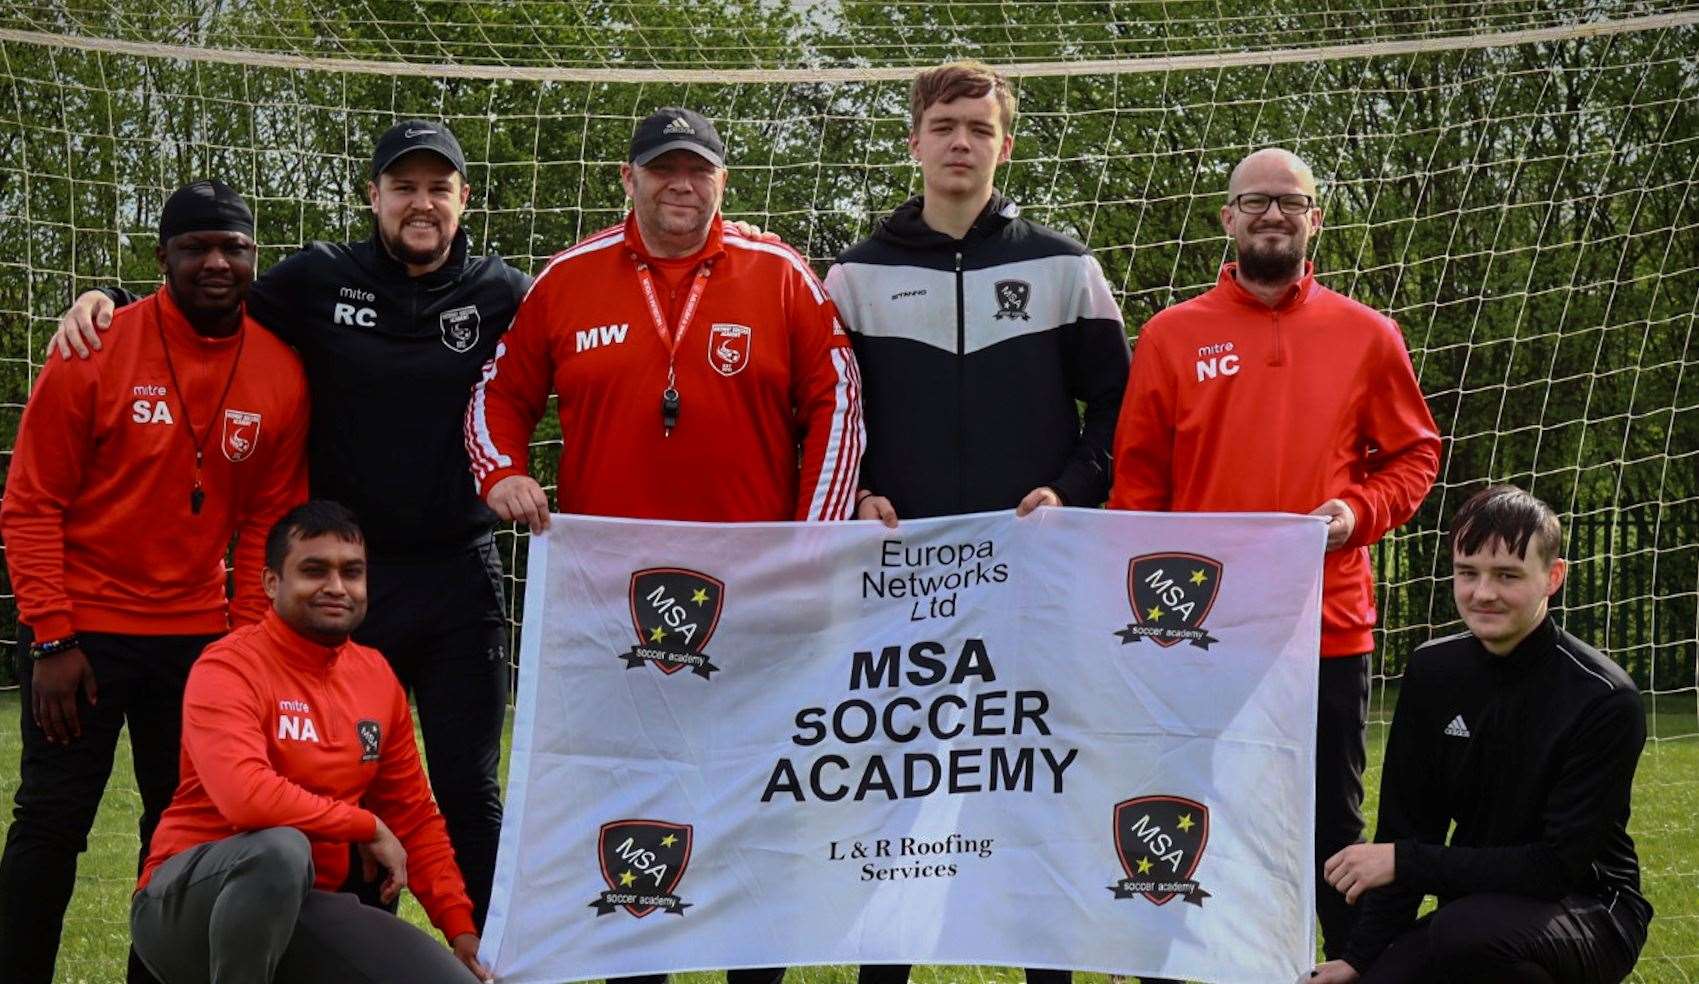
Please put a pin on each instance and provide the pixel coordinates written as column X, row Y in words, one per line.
column 673, row 128
column 410, row 135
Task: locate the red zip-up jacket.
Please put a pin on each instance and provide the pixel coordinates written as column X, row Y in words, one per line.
column 99, row 531
column 279, row 731
column 1235, row 406
column 769, row 423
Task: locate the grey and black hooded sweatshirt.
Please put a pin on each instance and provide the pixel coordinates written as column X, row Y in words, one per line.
column 991, row 364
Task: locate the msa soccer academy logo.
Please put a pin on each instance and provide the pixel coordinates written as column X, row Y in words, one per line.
column 728, row 348
column 1160, row 840
column 1171, row 594
column 675, row 612
column 1012, row 298
column 241, row 434
column 642, row 862
column 460, row 327
column 371, row 740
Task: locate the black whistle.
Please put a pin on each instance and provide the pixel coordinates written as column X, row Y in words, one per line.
column 669, row 410
column 196, row 497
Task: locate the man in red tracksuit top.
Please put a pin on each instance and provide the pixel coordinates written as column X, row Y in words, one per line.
column 694, row 367
column 701, row 375
column 1272, row 393
column 133, row 469
column 296, row 743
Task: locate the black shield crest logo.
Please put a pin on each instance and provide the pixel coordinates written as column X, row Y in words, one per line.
column 675, row 611
column 642, row 863
column 1160, row 840
column 460, row 327
column 371, row 740
column 1012, row 298
column 1171, row 594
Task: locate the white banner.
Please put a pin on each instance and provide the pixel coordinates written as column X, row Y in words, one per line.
column 1079, row 740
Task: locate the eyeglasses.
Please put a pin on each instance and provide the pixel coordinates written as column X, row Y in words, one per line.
column 1255, row 204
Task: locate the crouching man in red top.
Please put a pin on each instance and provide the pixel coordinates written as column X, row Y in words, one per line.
column 288, row 728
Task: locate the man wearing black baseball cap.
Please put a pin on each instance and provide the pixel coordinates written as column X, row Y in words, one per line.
column 722, row 366
column 132, row 472
column 393, row 332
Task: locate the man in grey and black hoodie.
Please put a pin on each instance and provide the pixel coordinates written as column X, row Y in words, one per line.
column 979, row 335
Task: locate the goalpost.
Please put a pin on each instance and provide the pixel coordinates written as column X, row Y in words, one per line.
column 1517, row 185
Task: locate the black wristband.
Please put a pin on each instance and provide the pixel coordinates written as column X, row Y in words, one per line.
column 42, row 650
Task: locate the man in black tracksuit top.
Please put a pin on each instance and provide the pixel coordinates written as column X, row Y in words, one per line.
column 1527, row 738
column 978, row 335
column 393, row 333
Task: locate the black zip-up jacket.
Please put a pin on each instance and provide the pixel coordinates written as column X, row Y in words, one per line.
column 1532, row 754
column 975, row 356
column 391, row 361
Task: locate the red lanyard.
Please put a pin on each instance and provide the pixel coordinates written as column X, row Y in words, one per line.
column 670, row 337
column 197, row 495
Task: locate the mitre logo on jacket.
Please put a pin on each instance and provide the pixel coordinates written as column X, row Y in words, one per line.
column 674, row 611
column 1171, row 594
column 1160, row 840
column 642, row 863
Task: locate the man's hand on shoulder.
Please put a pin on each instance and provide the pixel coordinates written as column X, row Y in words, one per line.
column 54, row 682
column 1341, row 521
column 749, row 230
column 466, row 951
column 1361, row 867
column 519, row 499
column 81, row 325
column 1332, row 972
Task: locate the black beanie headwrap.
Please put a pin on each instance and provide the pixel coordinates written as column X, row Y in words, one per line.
column 204, row 206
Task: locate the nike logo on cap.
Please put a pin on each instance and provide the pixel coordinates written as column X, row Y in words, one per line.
column 411, row 133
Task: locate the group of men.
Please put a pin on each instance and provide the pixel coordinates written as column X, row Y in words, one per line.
column 703, row 372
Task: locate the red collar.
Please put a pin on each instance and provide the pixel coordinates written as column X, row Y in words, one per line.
column 298, row 648
column 711, row 250
column 179, row 332
column 1296, row 295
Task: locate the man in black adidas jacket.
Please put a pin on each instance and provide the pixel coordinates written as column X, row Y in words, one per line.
column 393, row 332
column 976, row 332
column 1527, row 738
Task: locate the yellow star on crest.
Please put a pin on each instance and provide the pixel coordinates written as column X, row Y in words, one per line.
column 700, row 597
column 1198, row 576
column 627, row 878
column 657, row 633
column 669, row 840
column 1155, row 613
column 1185, row 822
column 1144, row 866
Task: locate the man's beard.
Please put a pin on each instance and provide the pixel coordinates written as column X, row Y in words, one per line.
column 1274, row 266
column 408, row 256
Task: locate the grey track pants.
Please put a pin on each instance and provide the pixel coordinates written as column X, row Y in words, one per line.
column 243, row 911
